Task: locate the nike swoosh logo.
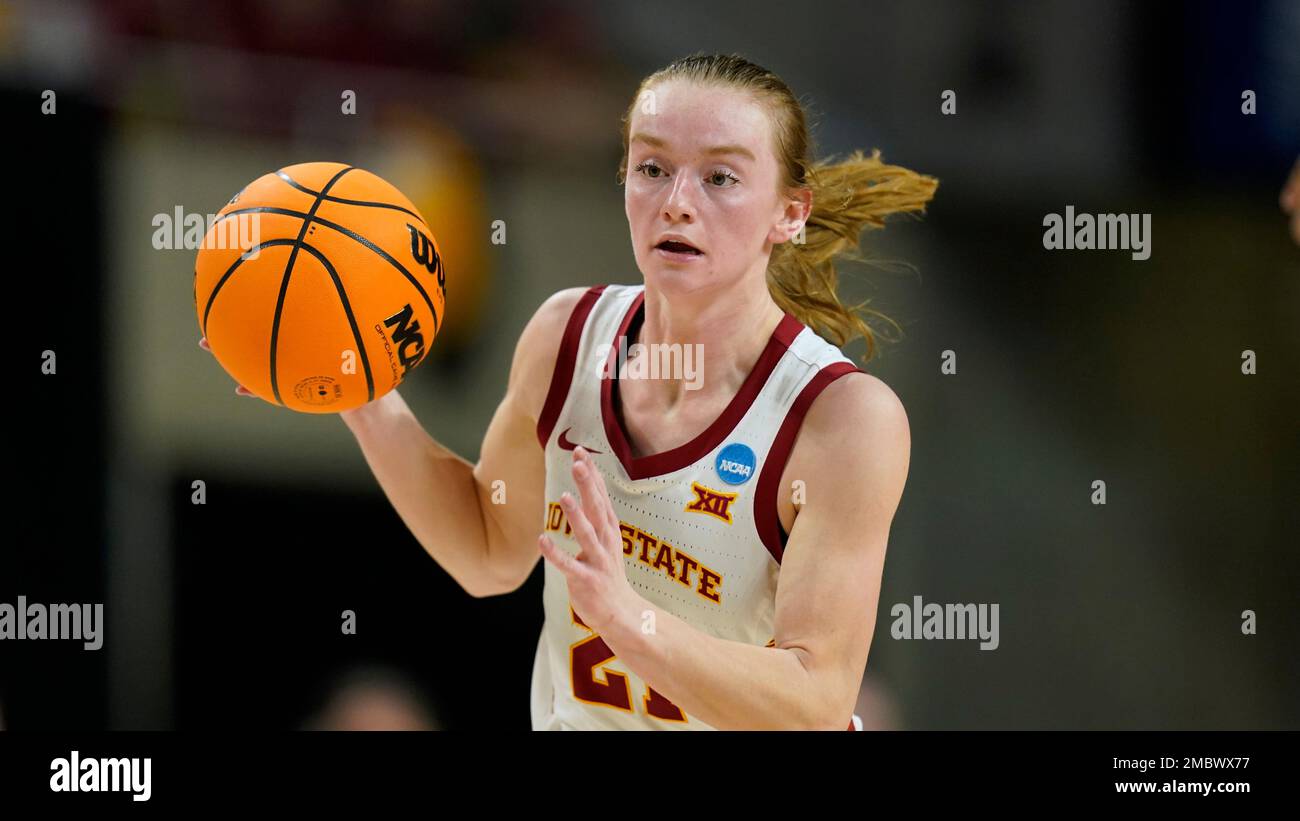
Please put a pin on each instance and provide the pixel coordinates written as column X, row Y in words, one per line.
column 567, row 445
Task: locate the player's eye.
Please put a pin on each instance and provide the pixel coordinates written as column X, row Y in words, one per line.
column 650, row 170
column 722, row 179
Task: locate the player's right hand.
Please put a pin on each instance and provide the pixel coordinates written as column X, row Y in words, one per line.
column 239, row 389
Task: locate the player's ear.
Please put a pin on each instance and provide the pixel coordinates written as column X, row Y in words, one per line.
column 798, row 207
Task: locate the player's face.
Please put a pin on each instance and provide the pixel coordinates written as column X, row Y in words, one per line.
column 701, row 173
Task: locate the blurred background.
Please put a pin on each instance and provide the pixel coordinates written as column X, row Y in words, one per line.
column 1072, row 366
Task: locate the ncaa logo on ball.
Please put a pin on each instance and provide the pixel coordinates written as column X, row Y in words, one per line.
column 735, row 464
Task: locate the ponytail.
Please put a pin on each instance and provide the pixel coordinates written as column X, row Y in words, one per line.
column 848, row 197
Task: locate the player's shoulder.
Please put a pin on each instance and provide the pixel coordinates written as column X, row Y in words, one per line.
column 858, row 396
column 558, row 307
column 554, row 312
column 538, row 347
column 856, row 420
column 542, row 335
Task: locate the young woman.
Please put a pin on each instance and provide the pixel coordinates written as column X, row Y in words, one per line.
column 713, row 542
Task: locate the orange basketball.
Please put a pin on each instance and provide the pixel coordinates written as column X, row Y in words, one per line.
column 319, row 287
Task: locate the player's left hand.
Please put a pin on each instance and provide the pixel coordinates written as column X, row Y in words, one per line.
column 598, row 586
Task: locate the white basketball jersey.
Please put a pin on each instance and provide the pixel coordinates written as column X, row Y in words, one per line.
column 701, row 536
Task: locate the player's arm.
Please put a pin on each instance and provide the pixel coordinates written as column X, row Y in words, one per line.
column 828, row 589
column 480, row 532
column 512, row 454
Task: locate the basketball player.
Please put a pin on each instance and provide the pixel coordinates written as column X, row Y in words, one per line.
column 713, row 556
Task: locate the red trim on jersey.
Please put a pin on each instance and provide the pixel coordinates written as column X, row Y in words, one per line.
column 565, row 362
column 657, row 464
column 765, row 510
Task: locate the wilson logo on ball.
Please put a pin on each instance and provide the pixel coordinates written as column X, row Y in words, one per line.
column 425, row 254
column 407, row 338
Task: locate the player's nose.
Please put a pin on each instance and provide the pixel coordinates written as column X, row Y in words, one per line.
column 680, row 202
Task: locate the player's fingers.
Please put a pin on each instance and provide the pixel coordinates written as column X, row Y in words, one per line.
column 239, row 389
column 610, row 516
column 554, row 555
column 563, row 562
column 595, row 502
column 588, row 541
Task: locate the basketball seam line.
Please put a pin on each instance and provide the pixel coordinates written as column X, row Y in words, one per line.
column 244, row 257
column 352, row 319
column 288, row 272
column 267, row 209
column 331, row 198
column 347, row 307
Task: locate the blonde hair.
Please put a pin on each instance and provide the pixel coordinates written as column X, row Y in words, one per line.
column 848, row 197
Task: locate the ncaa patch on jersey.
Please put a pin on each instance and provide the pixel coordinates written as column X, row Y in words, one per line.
column 735, row 464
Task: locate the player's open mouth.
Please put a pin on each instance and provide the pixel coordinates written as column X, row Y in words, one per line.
column 678, row 250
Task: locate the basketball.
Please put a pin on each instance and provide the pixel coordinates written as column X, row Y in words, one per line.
column 319, row 287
